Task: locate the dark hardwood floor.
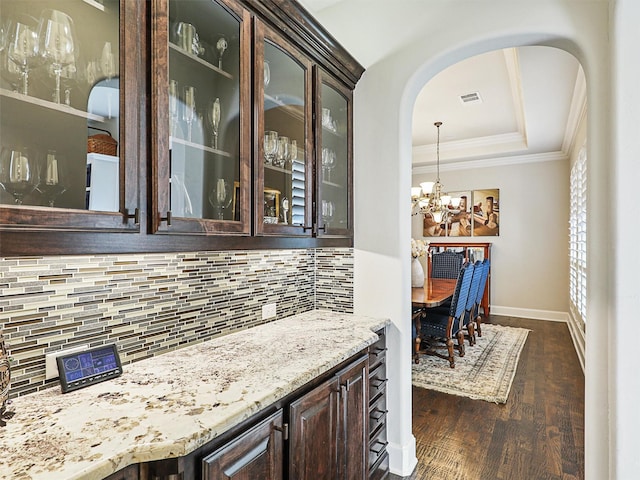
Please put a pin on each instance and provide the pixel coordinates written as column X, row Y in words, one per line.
column 537, row 435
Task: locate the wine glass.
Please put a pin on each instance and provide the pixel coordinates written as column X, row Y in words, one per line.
column 220, row 197
column 213, row 115
column 283, row 151
column 293, row 151
column 285, row 210
column 56, row 43
column 189, row 110
column 270, row 146
column 328, row 209
column 17, row 176
column 221, row 47
column 52, row 181
column 328, row 161
column 22, row 48
column 107, row 61
column 267, row 73
column 173, row 107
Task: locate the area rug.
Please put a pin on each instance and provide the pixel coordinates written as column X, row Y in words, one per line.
column 484, row 373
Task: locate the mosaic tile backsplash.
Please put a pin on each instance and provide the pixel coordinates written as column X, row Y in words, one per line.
column 149, row 304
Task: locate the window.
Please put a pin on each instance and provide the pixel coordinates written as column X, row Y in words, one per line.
column 578, row 238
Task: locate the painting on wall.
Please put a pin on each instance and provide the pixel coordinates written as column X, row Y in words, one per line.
column 459, row 220
column 486, row 212
column 431, row 228
column 457, row 223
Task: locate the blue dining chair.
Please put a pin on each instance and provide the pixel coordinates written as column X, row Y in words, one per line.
column 486, row 265
column 437, row 327
column 446, row 264
column 470, row 310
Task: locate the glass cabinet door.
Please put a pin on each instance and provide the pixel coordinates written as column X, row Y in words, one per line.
column 283, row 168
column 334, row 163
column 202, row 130
column 62, row 155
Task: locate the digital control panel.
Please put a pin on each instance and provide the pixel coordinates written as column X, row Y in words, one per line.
column 81, row 369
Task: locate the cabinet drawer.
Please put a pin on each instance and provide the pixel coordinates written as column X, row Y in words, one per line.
column 377, row 351
column 380, row 470
column 378, row 415
column 377, row 381
column 378, row 447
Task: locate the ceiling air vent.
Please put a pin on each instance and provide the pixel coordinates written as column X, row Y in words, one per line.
column 470, row 98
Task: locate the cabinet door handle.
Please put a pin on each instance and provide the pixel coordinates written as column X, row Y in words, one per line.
column 135, row 215
column 167, row 218
column 284, row 429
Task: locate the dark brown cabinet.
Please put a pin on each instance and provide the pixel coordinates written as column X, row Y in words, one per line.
column 324, row 431
column 201, row 127
column 334, row 164
column 71, row 94
column 377, row 442
column 257, row 453
column 231, row 119
column 283, row 167
column 329, row 428
column 129, row 473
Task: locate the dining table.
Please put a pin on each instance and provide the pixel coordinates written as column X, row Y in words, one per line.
column 433, row 293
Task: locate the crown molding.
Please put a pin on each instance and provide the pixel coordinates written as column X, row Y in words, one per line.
column 494, row 162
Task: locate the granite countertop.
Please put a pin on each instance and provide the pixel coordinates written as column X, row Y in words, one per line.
column 169, row 405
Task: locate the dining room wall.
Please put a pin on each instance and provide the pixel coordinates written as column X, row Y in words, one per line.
column 529, row 272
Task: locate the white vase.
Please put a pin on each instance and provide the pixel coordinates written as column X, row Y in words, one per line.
column 417, row 273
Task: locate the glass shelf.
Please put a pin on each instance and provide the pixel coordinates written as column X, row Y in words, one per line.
column 202, row 62
column 51, row 105
column 198, row 146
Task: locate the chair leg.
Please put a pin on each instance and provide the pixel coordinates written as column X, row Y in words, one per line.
column 472, row 334
column 478, row 327
column 416, row 353
column 452, row 361
column 460, row 337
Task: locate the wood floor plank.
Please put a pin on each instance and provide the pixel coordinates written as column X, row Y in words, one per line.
column 537, row 435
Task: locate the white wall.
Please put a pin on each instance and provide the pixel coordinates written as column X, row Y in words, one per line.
column 529, row 273
column 384, row 98
column 624, row 391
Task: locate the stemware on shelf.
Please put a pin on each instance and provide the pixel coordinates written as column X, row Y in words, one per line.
column 213, row 113
column 189, row 110
column 270, row 146
column 173, row 107
column 328, row 162
column 56, row 43
column 267, row 73
column 220, row 197
column 22, row 46
column 107, row 61
column 283, row 151
column 17, row 172
column 293, row 150
column 221, row 47
column 285, row 210
column 328, row 210
column 52, row 182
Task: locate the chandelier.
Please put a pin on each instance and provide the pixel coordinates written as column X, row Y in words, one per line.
column 429, row 199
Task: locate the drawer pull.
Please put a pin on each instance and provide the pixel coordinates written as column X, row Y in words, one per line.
column 377, row 414
column 380, row 447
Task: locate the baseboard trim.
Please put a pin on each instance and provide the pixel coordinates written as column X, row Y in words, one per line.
column 576, row 332
column 402, row 458
column 534, row 314
column 577, row 335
